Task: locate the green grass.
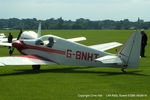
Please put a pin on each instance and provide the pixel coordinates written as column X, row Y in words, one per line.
column 59, row 82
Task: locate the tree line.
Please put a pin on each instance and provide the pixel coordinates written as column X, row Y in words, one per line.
column 52, row 23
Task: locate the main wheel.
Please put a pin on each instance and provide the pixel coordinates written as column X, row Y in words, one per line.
column 36, row 67
column 123, row 70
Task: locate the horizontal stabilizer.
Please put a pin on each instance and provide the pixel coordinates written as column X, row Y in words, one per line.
column 105, row 46
column 110, row 59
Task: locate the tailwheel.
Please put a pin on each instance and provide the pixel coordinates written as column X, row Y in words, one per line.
column 36, row 67
column 123, row 68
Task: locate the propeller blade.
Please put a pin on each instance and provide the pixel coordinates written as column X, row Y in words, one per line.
column 19, row 34
column 11, row 51
column 13, row 48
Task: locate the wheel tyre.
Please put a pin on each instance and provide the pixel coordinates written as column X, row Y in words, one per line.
column 36, row 67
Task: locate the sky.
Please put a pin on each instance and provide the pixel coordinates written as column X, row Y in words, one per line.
column 74, row 9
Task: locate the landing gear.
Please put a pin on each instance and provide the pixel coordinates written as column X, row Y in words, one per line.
column 10, row 52
column 123, row 68
column 36, row 67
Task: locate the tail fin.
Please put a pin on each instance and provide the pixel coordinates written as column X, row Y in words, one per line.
column 130, row 52
column 39, row 29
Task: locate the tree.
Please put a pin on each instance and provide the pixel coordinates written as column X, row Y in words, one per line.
column 81, row 23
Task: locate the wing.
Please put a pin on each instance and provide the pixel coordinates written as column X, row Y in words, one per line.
column 25, row 60
column 105, row 46
column 5, row 44
column 3, row 40
column 77, row 39
column 6, row 39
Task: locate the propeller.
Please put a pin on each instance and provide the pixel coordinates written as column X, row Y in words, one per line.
column 13, row 48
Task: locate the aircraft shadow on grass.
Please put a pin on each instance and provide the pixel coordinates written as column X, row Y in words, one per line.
column 73, row 70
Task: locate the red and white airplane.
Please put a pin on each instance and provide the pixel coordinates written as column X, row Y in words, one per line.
column 24, row 35
column 51, row 50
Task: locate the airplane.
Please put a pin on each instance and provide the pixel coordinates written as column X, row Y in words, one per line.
column 54, row 50
column 24, row 35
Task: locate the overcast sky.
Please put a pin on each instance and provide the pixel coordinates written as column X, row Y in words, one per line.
column 74, row 9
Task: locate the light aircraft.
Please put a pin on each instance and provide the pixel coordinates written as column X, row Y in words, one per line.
column 51, row 50
column 24, row 35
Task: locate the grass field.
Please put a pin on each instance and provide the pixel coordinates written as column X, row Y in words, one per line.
column 59, row 82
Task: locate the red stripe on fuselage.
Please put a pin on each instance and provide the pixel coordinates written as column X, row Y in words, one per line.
column 41, row 48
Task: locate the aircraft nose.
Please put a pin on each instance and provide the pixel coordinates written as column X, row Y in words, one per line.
column 17, row 44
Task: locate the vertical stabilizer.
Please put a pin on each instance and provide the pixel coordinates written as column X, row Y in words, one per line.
column 39, row 29
column 130, row 52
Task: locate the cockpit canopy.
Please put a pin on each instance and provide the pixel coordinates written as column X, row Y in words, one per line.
column 28, row 35
column 47, row 41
